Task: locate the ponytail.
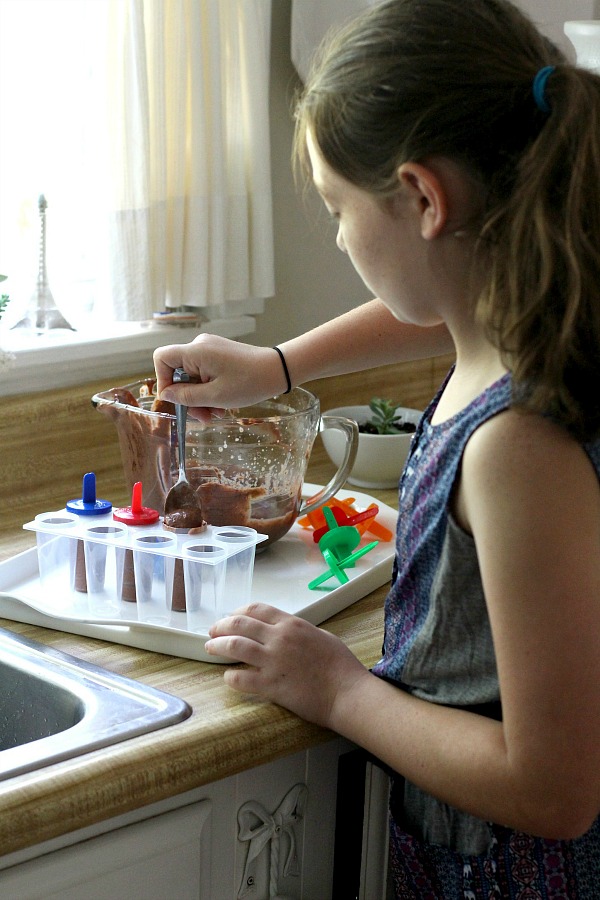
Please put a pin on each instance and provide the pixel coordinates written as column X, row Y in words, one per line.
column 542, row 304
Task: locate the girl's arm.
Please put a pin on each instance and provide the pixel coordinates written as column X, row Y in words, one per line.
column 531, row 498
column 363, row 338
column 236, row 374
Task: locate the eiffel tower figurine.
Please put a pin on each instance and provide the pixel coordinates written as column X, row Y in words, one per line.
column 43, row 314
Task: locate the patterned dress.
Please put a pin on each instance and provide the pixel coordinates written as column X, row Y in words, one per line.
column 438, row 646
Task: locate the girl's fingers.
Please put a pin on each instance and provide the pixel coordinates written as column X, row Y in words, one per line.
column 245, row 680
column 205, row 414
column 235, row 647
column 263, row 612
column 238, row 627
column 240, row 620
column 243, row 634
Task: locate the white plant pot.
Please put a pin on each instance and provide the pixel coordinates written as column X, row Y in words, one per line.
column 381, row 457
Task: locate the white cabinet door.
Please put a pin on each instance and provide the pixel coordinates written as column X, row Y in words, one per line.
column 164, row 858
column 263, row 795
column 310, row 777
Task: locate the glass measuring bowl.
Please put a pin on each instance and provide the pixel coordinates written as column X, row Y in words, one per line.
column 248, row 467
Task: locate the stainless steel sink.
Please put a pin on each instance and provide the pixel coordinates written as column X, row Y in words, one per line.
column 54, row 707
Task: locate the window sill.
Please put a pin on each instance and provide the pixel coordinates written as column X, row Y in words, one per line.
column 62, row 359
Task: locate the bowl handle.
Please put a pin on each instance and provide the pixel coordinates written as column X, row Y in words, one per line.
column 350, row 430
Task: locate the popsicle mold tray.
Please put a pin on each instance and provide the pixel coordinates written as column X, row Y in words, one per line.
column 106, row 569
column 38, row 587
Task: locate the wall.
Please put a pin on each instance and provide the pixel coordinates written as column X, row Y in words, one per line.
column 314, row 281
column 551, row 14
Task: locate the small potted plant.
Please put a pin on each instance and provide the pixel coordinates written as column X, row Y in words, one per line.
column 6, row 358
column 4, row 298
column 386, row 418
column 385, row 433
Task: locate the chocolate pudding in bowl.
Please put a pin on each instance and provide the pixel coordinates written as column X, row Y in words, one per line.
column 229, row 497
column 247, row 467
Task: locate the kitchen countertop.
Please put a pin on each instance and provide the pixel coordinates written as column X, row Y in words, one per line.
column 226, row 733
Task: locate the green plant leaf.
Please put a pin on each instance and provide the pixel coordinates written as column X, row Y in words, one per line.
column 3, row 303
column 384, row 419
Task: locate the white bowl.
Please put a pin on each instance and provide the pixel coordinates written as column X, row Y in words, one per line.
column 381, row 457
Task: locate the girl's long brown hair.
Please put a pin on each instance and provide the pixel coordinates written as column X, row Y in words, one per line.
column 416, row 78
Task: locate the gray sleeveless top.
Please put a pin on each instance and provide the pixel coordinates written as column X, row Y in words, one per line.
column 438, row 642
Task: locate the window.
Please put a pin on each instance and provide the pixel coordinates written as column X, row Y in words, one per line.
column 145, row 127
column 51, row 114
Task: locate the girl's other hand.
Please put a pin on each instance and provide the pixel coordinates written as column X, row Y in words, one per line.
column 289, row 661
column 228, row 374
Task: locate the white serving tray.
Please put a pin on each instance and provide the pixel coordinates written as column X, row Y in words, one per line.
column 281, row 577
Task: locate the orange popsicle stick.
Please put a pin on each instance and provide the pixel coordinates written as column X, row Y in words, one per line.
column 380, row 531
column 316, row 518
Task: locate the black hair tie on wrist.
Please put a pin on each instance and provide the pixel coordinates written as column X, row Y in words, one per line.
column 285, row 369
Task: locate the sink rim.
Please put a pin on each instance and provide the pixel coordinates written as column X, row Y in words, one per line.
column 116, row 708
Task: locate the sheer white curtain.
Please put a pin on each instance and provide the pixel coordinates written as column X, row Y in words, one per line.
column 190, row 213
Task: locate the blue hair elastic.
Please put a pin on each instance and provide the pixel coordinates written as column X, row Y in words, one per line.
column 539, row 89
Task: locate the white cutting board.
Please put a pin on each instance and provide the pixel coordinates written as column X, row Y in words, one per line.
column 281, row 577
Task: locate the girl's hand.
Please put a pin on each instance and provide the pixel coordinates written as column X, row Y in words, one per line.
column 228, row 374
column 291, row 662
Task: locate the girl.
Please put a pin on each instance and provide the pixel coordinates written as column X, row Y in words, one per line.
column 459, row 153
